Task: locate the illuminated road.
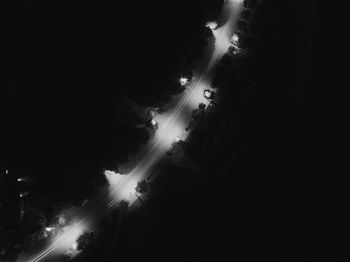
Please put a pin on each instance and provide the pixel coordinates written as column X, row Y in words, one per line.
column 171, row 125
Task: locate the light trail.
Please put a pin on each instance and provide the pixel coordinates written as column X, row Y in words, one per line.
column 171, row 128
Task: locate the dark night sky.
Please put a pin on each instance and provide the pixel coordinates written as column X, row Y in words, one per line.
column 285, row 198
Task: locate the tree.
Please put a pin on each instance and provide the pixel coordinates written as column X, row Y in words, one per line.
column 245, row 15
column 242, row 27
column 142, row 187
column 84, row 240
column 201, row 106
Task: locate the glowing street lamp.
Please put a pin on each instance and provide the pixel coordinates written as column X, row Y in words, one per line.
column 154, row 124
column 49, row 229
column 23, row 194
column 27, row 179
column 183, row 81
column 212, row 25
column 235, row 39
column 209, row 94
column 75, row 246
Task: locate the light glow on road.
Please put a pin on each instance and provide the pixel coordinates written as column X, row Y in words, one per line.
column 125, row 184
column 196, row 97
column 64, row 239
column 23, row 194
column 69, row 235
column 167, row 136
column 128, row 190
column 169, row 128
column 222, row 40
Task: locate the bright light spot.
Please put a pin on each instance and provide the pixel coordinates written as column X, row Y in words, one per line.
column 207, row 94
column 24, row 179
column 212, row 25
column 6, row 171
column 154, row 122
column 48, row 229
column 183, row 81
column 23, row 194
column 177, row 139
column 235, row 39
column 75, row 245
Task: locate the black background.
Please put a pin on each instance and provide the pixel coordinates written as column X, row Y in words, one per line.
column 284, row 199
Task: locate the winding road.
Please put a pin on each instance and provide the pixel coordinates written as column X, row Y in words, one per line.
column 171, row 126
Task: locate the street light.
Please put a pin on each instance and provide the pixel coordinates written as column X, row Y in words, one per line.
column 23, row 194
column 183, row 81
column 209, row 94
column 75, row 246
column 27, row 179
column 49, row 229
column 212, row 25
column 154, row 124
column 235, row 39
